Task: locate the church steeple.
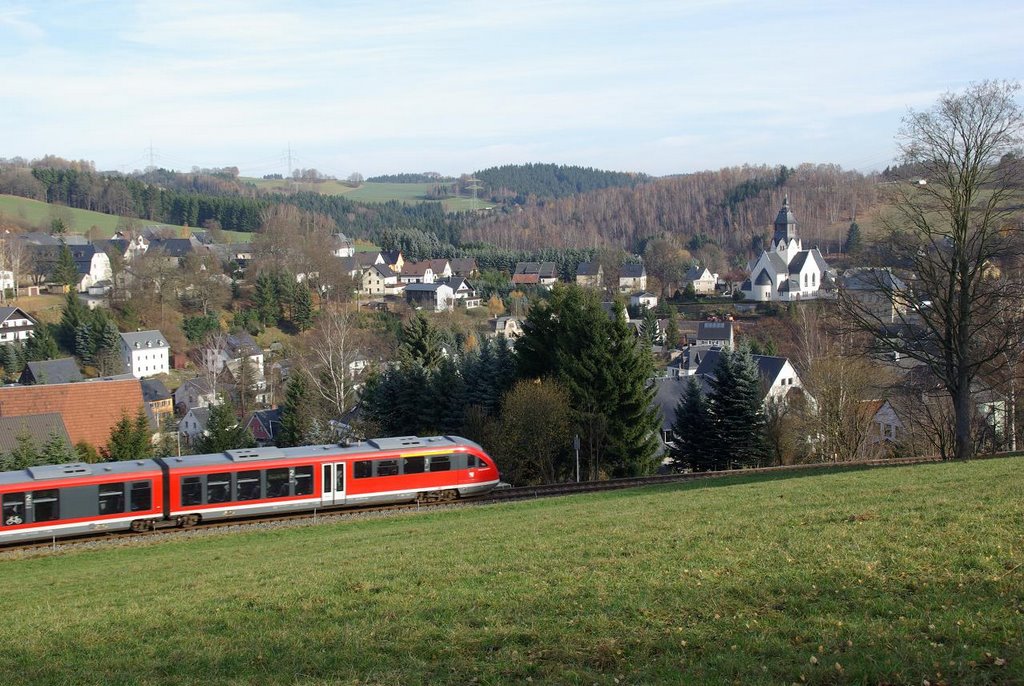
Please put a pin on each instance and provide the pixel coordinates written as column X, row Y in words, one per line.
column 785, row 224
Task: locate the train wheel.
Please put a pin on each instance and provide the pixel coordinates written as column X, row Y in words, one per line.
column 140, row 525
column 449, row 495
column 188, row 521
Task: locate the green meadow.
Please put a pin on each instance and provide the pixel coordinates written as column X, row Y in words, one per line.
column 905, row 575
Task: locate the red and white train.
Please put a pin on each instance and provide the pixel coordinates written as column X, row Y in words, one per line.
column 139, row 495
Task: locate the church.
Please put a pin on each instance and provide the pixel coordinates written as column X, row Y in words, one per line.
column 785, row 272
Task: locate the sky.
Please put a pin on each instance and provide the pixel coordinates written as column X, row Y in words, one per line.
column 653, row 86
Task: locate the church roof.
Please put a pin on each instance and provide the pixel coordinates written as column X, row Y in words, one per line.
column 785, row 215
column 778, row 264
column 763, row 279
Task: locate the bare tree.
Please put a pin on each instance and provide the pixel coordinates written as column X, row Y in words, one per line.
column 13, row 258
column 331, row 350
column 951, row 234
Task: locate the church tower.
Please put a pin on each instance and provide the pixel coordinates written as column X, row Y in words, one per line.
column 785, row 241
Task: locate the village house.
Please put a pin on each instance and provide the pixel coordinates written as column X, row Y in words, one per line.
column 89, row 409
column 230, row 350
column 193, row 425
column 509, row 327
column 195, row 392
column 535, row 274
column 702, row 280
column 590, row 275
column 174, row 250
column 63, row 370
column 464, row 292
column 342, row 245
column 787, row 272
column 41, row 428
column 442, row 269
column 436, row 296
column 145, row 353
column 264, row 425
column 877, row 292
column 465, row 267
column 632, row 277
column 643, row 300
column 159, row 400
column 416, row 272
column 715, row 334
column 16, row 325
column 378, row 279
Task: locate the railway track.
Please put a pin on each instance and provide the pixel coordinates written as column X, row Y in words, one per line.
column 497, row 496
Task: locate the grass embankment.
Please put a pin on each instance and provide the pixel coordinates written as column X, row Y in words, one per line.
column 883, row 576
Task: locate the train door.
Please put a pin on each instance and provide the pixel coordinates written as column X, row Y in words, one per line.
column 334, row 484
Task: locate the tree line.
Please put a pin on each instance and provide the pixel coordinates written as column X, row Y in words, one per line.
column 516, row 182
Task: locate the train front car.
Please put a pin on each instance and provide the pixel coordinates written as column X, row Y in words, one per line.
column 48, row 501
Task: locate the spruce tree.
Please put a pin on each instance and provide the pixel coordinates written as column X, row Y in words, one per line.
column 672, row 335
column 56, row 450
column 693, row 430
column 224, row 432
column 736, row 405
column 853, row 239
column 42, row 346
column 73, row 315
column 24, row 455
column 302, row 307
column 420, row 343
column 84, row 343
column 129, row 439
column 265, row 301
column 649, row 328
column 65, row 272
column 296, row 412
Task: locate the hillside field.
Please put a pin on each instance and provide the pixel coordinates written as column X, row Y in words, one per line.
column 40, row 214
column 905, row 575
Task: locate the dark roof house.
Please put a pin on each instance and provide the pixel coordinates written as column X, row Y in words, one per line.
column 64, row 370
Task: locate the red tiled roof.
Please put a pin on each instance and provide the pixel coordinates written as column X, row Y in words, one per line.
column 90, row 409
column 526, row 278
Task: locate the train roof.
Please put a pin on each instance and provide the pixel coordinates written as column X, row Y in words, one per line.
column 42, row 473
column 375, row 445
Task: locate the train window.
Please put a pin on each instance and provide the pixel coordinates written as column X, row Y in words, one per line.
column 142, row 496
column 191, row 490
column 111, row 498
column 339, row 485
column 277, row 482
column 328, row 486
column 414, row 465
column 303, row 480
column 472, row 462
column 13, row 509
column 387, row 467
column 46, row 505
column 218, row 488
column 440, row 463
column 247, row 486
column 362, row 469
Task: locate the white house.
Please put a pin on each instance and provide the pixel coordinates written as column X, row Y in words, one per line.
column 342, row 245
column 787, row 272
column 702, row 279
column 193, row 424
column 509, row 327
column 416, row 272
column 145, row 353
column 379, row 279
column 644, row 299
column 777, row 373
column 438, row 296
column 230, row 351
column 15, row 325
column 195, row 392
column 632, row 277
column 464, row 292
column 715, row 333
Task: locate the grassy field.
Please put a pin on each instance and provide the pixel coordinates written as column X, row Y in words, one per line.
column 372, row 192
column 40, row 214
column 908, row 576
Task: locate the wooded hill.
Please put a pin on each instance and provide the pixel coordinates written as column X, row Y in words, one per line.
column 516, row 182
column 731, row 208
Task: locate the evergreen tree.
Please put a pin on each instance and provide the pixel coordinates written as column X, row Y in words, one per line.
column 672, row 335
column 65, row 272
column 736, row 406
column 853, row 239
column 224, row 432
column 246, row 385
column 265, row 301
column 107, row 356
column 693, row 430
column 129, row 439
column 302, row 307
column 650, row 332
column 296, row 415
column 73, row 315
column 56, row 450
column 420, row 343
column 24, row 455
column 42, row 346
column 85, row 343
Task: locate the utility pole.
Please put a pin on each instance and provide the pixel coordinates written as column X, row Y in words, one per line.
column 576, row 447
